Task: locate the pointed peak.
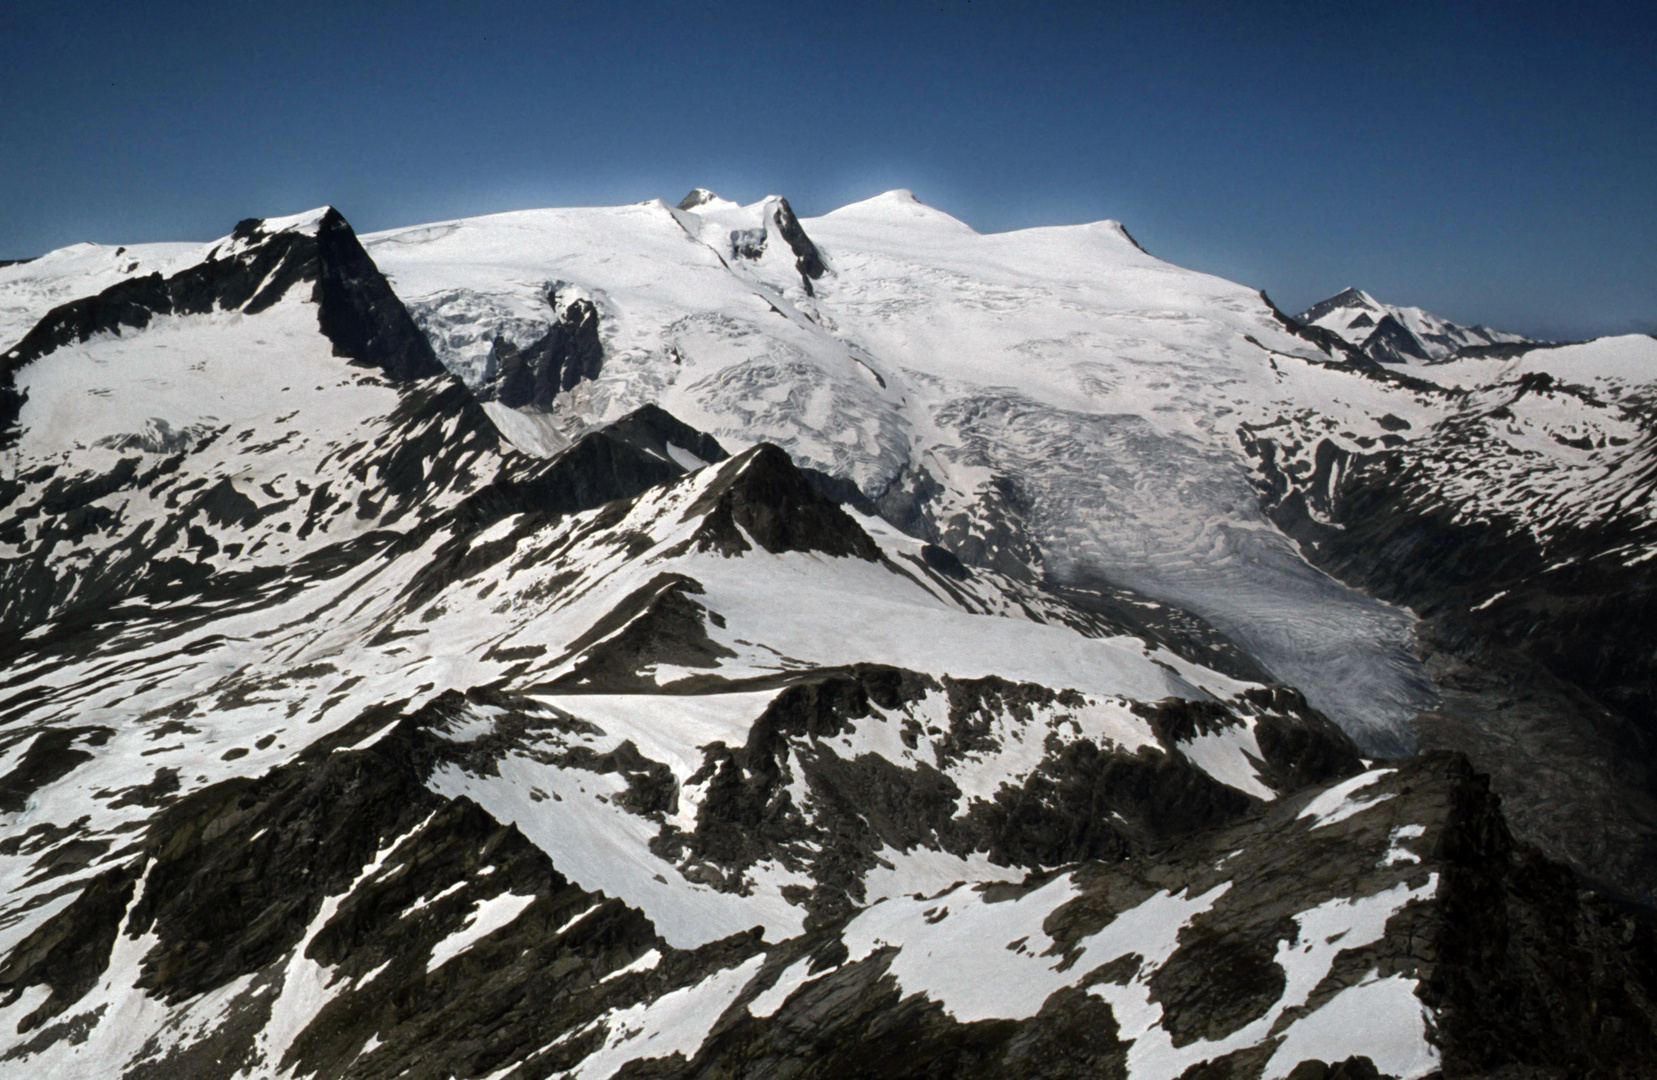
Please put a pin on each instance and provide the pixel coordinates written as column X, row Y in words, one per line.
column 1347, row 299
column 659, row 432
column 699, row 197
column 762, row 496
column 309, row 222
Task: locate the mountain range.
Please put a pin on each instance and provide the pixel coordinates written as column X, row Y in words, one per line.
column 692, row 640
column 1404, row 335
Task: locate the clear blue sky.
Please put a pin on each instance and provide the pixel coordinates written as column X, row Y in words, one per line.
column 1493, row 162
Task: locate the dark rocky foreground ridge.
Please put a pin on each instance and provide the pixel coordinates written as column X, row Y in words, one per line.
column 355, row 742
column 347, row 863
column 1540, row 640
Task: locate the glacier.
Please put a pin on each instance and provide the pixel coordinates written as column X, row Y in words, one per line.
column 1055, row 389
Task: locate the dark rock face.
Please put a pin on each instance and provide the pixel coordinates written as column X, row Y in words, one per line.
column 767, row 497
column 1585, row 1013
column 356, row 309
column 1543, row 740
column 1508, row 349
column 129, row 303
column 653, row 429
column 1346, row 298
column 747, row 243
column 360, row 314
column 750, row 243
column 1540, row 651
column 658, row 623
column 51, row 756
column 70, row 950
column 1392, row 343
column 696, row 197
column 807, row 259
column 1299, row 745
column 1072, row 807
column 569, row 353
column 618, row 461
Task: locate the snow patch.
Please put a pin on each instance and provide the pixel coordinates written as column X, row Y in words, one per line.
column 678, row 1022
column 1338, row 804
column 1396, row 851
column 1229, row 756
column 792, row 978
column 491, row 915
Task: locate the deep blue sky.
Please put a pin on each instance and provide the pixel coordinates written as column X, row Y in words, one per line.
column 1493, row 162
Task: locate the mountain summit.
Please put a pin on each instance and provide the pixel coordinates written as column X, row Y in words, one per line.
column 1399, row 335
column 697, row 641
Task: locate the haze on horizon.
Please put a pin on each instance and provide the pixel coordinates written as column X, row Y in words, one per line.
column 1490, row 164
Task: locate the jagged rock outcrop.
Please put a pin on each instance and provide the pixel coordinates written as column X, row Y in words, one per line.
column 533, row 376
column 975, row 717
column 252, row 270
column 429, row 939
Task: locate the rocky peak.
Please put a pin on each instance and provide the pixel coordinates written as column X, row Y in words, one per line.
column 697, row 197
column 807, row 259
column 533, row 376
column 1349, row 297
column 250, row 271
column 1397, row 335
column 762, row 493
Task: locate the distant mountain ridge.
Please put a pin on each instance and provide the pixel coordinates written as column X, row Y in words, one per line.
column 1400, row 335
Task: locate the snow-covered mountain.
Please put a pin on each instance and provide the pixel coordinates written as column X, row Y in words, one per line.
column 1061, row 406
column 699, row 641
column 1399, row 335
column 1054, row 403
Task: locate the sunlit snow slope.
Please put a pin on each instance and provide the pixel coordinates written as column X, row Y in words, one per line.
column 848, row 647
column 286, row 617
column 1053, row 402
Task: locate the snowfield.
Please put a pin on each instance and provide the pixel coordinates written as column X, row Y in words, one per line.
column 887, row 628
column 1057, row 390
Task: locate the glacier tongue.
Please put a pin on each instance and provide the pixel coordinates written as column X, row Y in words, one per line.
column 359, row 723
column 1053, row 399
column 1114, row 499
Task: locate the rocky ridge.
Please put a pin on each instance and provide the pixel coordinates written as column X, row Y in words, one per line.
column 637, row 757
column 1404, row 335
